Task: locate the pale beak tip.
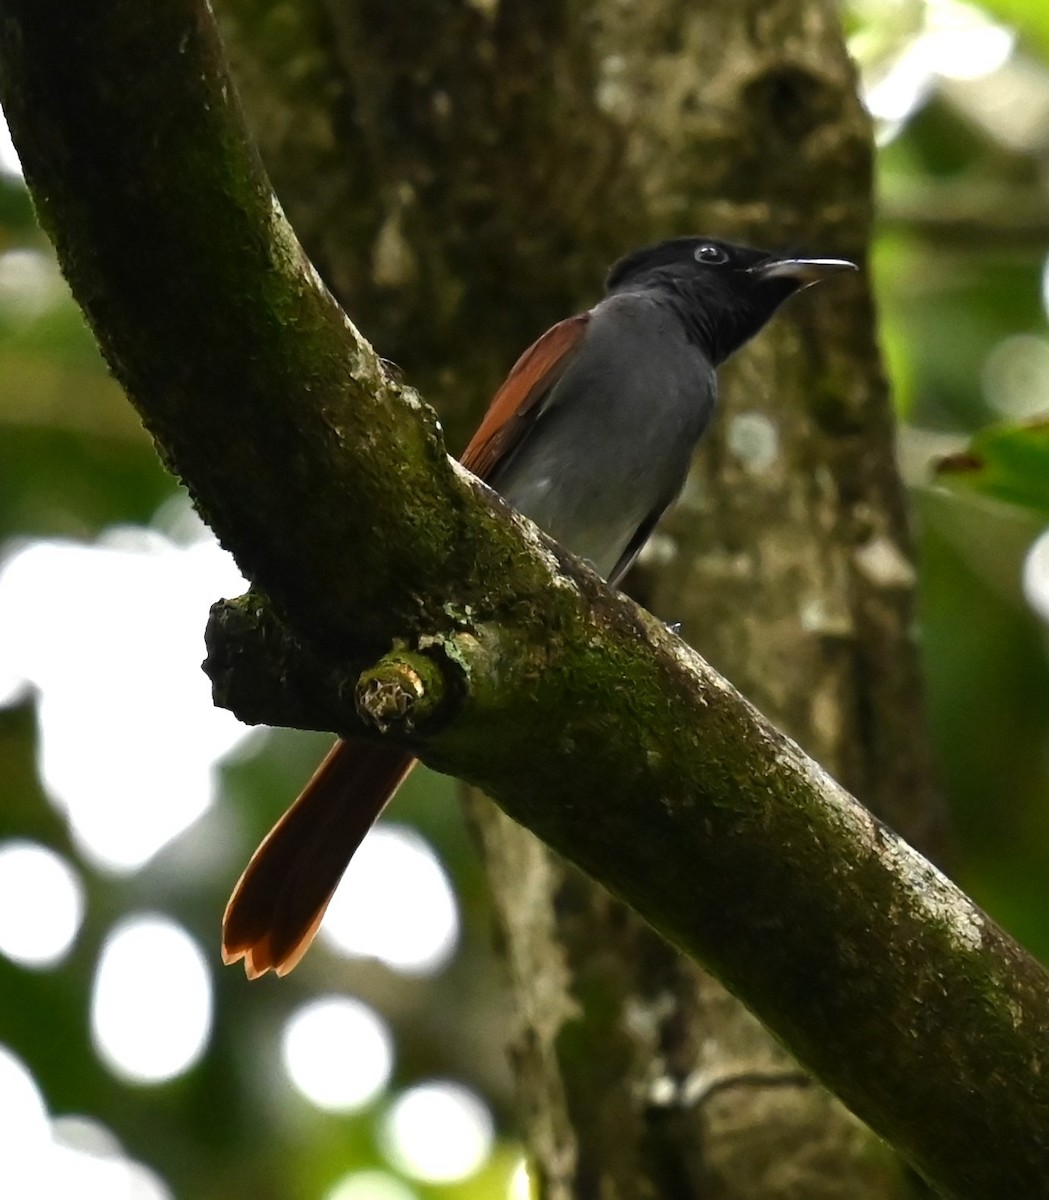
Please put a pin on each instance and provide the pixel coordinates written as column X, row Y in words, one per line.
column 805, row 270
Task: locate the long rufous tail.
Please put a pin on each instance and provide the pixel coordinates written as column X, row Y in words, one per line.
column 279, row 901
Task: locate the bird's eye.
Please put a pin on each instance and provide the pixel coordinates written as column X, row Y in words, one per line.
column 710, row 254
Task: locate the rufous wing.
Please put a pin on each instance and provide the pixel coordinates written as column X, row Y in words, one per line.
column 518, row 402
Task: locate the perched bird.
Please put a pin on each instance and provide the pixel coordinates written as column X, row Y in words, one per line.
column 590, row 436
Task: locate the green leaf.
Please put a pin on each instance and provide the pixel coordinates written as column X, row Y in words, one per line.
column 1007, row 462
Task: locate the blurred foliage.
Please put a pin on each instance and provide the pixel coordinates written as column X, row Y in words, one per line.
column 1028, row 17
column 960, row 262
column 1006, row 462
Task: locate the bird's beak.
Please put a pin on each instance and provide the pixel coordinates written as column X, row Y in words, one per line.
column 805, row 270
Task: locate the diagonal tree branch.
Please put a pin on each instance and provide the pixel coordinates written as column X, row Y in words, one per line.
column 655, row 776
column 458, row 127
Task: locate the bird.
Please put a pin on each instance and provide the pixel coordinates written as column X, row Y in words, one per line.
column 590, row 436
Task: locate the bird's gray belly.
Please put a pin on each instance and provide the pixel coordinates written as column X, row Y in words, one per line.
column 591, row 475
column 576, row 508
column 611, row 445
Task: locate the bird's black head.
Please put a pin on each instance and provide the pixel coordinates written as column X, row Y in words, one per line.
column 723, row 292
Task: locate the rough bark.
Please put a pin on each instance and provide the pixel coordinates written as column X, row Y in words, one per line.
column 663, row 783
column 718, row 791
column 788, row 563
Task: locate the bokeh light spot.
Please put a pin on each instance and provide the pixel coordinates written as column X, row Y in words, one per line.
column 941, row 39
column 964, row 42
column 30, row 284
column 41, row 904
column 124, row 708
column 9, row 163
column 24, row 1125
column 89, row 1163
column 520, row 1186
column 71, row 1156
column 77, row 1132
column 438, row 1132
column 151, row 1001
column 394, row 904
column 370, row 1185
column 1016, row 376
column 1036, row 576
column 338, row 1053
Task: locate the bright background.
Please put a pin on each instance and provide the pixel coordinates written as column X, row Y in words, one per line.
column 131, row 1064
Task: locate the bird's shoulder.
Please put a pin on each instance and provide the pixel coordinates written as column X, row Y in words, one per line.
column 646, row 320
column 516, row 402
column 642, row 331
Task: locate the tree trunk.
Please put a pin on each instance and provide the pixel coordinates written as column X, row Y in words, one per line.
column 502, row 155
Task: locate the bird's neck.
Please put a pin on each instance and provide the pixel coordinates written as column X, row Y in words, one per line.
column 712, row 328
column 710, row 324
column 717, row 320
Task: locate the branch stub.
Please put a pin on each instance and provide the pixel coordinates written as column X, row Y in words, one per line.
column 402, row 692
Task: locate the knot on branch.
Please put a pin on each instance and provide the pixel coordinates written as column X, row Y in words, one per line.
column 266, row 674
column 402, row 692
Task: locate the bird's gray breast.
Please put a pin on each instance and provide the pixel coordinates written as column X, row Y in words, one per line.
column 611, row 445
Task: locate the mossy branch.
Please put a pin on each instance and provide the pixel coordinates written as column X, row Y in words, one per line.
column 584, row 717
